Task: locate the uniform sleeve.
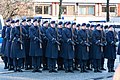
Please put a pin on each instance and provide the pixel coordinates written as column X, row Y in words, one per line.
column 64, row 36
column 12, row 32
column 79, row 37
column 108, row 37
column 3, row 32
column 7, row 33
column 94, row 39
column 119, row 35
column 32, row 36
column 48, row 34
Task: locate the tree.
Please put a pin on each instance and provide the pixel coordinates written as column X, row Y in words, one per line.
column 11, row 8
column 107, row 6
column 60, row 9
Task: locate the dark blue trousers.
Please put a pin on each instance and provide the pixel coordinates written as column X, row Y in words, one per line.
column 68, row 63
column 110, row 63
column 52, row 63
column 17, row 62
column 36, row 62
column 97, row 63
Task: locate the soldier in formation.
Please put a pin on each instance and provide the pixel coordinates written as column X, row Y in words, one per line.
column 36, row 45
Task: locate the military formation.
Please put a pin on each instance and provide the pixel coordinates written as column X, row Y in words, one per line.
column 54, row 46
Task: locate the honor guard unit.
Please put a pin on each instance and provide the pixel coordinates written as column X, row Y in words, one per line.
column 58, row 45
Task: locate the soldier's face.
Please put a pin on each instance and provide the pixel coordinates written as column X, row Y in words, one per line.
column 53, row 25
column 17, row 24
column 12, row 25
column 35, row 23
column 46, row 25
column 98, row 28
column 23, row 23
column 83, row 27
column 74, row 26
column 7, row 23
column 59, row 26
column 29, row 23
column 92, row 28
column 111, row 29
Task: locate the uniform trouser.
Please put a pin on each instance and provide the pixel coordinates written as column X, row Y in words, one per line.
column 36, row 60
column 76, row 62
column 28, row 60
column 52, row 63
column 68, row 63
column 82, row 63
column 89, row 62
column 18, row 62
column 10, row 61
column 60, row 61
column 97, row 63
column 5, row 59
column 110, row 63
column 44, row 61
column 102, row 63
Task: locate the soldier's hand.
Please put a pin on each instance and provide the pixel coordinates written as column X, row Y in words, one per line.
column 19, row 40
column 97, row 42
column 39, row 40
column 112, row 42
column 87, row 44
column 72, row 42
column 58, row 42
column 101, row 44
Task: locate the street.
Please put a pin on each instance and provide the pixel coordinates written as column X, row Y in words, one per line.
column 61, row 75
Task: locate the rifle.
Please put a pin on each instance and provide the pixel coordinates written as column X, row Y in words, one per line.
column 39, row 38
column 56, row 28
column 102, row 36
column 73, row 39
column 87, row 32
column 115, row 35
column 21, row 46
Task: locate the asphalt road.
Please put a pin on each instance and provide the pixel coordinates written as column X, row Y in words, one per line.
column 61, row 75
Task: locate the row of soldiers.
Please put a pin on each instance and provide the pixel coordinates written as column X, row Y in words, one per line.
column 57, row 46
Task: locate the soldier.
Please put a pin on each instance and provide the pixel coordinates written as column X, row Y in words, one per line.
column 52, row 47
column 8, row 46
column 103, row 40
column 82, row 54
column 96, row 41
column 60, row 59
column 88, row 35
column 44, row 44
column 68, row 48
column 28, row 59
column 110, row 53
column 5, row 59
column 74, row 33
column 27, row 44
column 92, row 28
column 35, row 46
column 17, row 47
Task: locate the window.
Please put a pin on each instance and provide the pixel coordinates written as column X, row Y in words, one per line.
column 112, row 9
column 104, row 9
column 82, row 10
column 64, row 9
column 91, row 10
column 38, row 9
column 43, row 9
column 46, row 9
column 86, row 10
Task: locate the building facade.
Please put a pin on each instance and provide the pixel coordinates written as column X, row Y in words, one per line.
column 72, row 9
